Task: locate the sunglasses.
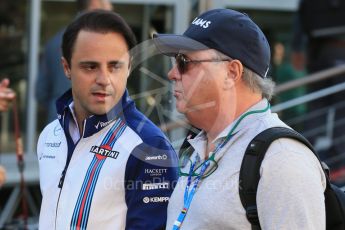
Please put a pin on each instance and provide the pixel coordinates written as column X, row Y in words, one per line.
column 183, row 62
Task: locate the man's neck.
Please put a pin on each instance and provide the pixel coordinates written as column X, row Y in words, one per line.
column 225, row 118
column 80, row 127
column 80, row 117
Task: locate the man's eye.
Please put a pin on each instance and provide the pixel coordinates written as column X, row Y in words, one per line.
column 116, row 66
column 89, row 67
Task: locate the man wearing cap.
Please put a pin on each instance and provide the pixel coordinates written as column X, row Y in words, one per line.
column 221, row 86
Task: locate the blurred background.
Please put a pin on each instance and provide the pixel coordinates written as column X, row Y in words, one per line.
column 308, row 98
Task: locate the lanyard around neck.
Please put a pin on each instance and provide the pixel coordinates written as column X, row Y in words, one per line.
column 188, row 195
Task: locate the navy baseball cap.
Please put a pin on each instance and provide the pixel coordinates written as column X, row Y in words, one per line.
column 228, row 31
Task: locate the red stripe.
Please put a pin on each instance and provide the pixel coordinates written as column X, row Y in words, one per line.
column 114, row 133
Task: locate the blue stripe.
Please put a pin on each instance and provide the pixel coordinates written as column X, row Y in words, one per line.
column 81, row 194
column 86, row 211
column 83, row 223
column 90, row 195
column 107, row 136
column 77, row 207
column 121, row 126
column 110, row 132
column 119, row 133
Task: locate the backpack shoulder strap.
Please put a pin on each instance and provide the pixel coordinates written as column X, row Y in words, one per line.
column 250, row 168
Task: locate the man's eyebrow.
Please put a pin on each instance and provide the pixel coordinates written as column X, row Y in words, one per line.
column 88, row 63
column 116, row 62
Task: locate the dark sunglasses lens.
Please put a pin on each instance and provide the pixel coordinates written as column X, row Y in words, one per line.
column 181, row 63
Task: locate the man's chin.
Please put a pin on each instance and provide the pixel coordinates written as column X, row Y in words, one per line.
column 181, row 108
column 101, row 111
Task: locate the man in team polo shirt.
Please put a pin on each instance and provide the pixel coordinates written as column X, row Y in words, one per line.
column 103, row 164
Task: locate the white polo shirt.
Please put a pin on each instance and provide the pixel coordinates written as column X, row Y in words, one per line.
column 290, row 192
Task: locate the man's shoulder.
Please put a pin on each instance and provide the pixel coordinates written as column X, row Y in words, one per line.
column 288, row 145
column 53, row 128
column 283, row 149
column 292, row 155
column 144, row 127
column 285, row 145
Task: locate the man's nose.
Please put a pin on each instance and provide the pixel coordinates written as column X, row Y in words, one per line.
column 103, row 77
column 174, row 74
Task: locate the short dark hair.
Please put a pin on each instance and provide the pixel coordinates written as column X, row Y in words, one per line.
column 100, row 21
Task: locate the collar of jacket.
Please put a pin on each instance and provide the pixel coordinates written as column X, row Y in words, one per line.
column 94, row 123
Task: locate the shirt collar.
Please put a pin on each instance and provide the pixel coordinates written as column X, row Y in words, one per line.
column 73, row 124
column 94, row 123
column 199, row 143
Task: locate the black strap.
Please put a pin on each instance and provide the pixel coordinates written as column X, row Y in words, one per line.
column 250, row 168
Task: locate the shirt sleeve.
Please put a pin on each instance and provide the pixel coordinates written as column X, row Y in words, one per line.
column 291, row 188
column 151, row 173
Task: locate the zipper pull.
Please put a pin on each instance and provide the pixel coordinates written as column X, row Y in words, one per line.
column 62, row 178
